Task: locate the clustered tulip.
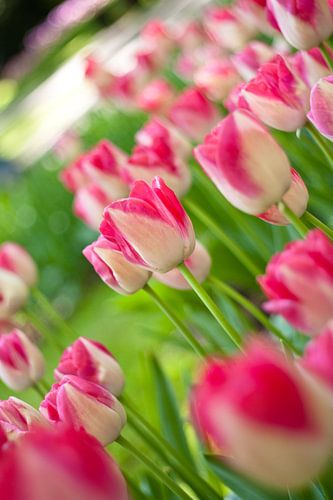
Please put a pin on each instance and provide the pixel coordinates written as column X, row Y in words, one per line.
column 321, row 106
column 216, row 79
column 249, row 60
column 156, row 97
column 310, row 65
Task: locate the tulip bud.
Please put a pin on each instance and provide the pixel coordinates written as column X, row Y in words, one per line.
column 147, row 162
column 257, row 410
column 59, row 463
column 234, row 100
column 156, row 97
column 74, row 177
column 191, row 35
column 13, row 293
column 321, row 106
column 252, row 14
column 68, row 146
column 158, row 130
column 16, row 259
column 277, row 96
column 193, row 114
column 310, row 65
column 116, row 272
column 156, row 34
column 296, row 198
column 99, row 76
column 249, row 60
column 299, row 283
column 303, row 26
column 79, row 403
column 226, row 28
column 18, row 417
column 216, row 78
column 234, row 155
column 199, row 263
column 318, row 357
column 89, row 204
column 92, row 361
column 21, row 362
column 151, row 228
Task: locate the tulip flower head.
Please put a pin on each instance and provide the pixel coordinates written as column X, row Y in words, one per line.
column 82, row 404
column 310, row 65
column 21, row 362
column 277, row 96
column 321, row 106
column 92, row 361
column 118, row 273
column 150, row 228
column 226, row 28
column 258, row 411
column 16, row 259
column 13, row 293
column 156, row 97
column 216, row 78
column 299, row 283
column 234, row 156
column 59, row 463
column 18, row 417
column 249, row 60
column 89, row 204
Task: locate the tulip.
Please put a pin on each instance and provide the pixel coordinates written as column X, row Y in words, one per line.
column 277, row 96
column 235, row 100
column 256, row 409
column 119, row 274
column 92, row 361
column 199, row 263
column 151, row 228
column 147, row 162
column 191, row 35
column 13, row 293
column 303, row 26
column 68, row 146
column 310, row 65
column 156, row 97
column 190, row 61
column 159, row 130
column 234, row 155
column 21, row 362
column 318, row 357
column 99, row 76
column 321, row 106
column 252, row 14
column 226, row 28
column 16, row 259
column 89, row 204
column 74, row 177
column 299, row 283
column 156, row 34
column 59, row 463
column 193, row 114
column 79, row 403
column 249, row 60
column 216, row 78
column 18, row 417
column 296, row 198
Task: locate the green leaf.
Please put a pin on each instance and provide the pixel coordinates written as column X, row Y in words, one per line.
column 171, row 421
column 242, row 486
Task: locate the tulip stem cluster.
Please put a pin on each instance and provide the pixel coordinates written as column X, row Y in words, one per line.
column 293, row 219
column 183, row 329
column 211, row 306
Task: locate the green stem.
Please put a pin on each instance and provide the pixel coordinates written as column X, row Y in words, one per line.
column 155, row 469
column 211, row 306
column 183, row 329
column 51, row 312
column 252, row 309
column 314, row 221
column 38, row 390
column 320, row 141
column 234, row 248
column 326, row 55
column 293, row 219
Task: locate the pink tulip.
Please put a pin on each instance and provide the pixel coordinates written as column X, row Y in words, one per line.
column 92, row 361
column 158, row 130
column 18, row 417
column 191, row 35
column 216, row 78
column 304, row 24
column 59, row 464
column 249, row 60
column 21, row 362
column 157, row 34
column 252, row 14
column 99, row 76
column 68, row 146
column 199, row 263
column 235, row 100
column 277, row 96
column 234, row 156
column 119, row 274
column 226, row 28
column 150, row 228
column 296, row 198
column 13, row 293
column 193, row 114
column 256, row 409
column 16, row 259
column 74, row 177
column 299, row 283
column 147, row 162
column 321, row 106
column 81, row 404
column 156, row 97
column 310, row 65
column 89, row 204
